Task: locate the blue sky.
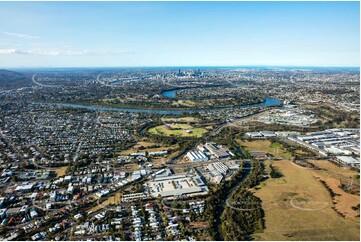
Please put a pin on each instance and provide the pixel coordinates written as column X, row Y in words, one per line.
column 87, row 34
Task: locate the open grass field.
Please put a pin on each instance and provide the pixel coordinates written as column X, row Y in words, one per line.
column 131, row 167
column 114, row 199
column 61, row 171
column 178, row 129
column 334, row 176
column 143, row 146
column 275, row 149
column 158, row 162
column 147, row 146
column 186, row 103
column 343, row 174
column 182, row 119
column 198, row 225
column 298, row 207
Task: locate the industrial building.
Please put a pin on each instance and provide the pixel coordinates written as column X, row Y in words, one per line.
column 207, row 151
column 134, row 197
column 197, row 156
column 289, row 115
column 331, row 142
column 217, row 168
column 348, row 160
column 261, row 134
column 175, row 186
column 215, row 151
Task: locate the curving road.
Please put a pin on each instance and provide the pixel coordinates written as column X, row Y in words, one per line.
column 41, row 84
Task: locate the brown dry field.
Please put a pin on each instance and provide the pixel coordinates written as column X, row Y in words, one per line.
column 198, row 225
column 61, row 171
column 344, row 174
column 333, row 178
column 298, row 207
column 130, row 167
column 160, row 161
column 114, row 199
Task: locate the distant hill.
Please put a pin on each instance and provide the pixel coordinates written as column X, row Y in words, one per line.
column 12, row 80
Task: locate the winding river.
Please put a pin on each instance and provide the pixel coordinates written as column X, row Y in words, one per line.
column 169, row 94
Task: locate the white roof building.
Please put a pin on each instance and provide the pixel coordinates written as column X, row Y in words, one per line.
column 197, row 156
column 348, row 160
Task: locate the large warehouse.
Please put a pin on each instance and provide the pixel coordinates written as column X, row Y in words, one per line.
column 344, row 142
column 176, row 186
column 197, row 156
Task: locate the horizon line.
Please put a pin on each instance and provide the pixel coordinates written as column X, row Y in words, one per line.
column 176, row 66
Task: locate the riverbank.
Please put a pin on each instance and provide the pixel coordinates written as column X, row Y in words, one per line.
column 267, row 103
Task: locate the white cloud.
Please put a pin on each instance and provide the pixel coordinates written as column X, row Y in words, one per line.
column 7, row 51
column 62, row 52
column 23, row 36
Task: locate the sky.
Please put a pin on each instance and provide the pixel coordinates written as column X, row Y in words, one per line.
column 126, row 34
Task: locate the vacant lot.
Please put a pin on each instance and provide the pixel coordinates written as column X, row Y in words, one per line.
column 114, row 199
column 275, row 149
column 198, row 225
column 61, row 171
column 298, row 207
column 178, row 129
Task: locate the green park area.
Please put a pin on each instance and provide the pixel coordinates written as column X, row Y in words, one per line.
column 181, row 120
column 178, row 129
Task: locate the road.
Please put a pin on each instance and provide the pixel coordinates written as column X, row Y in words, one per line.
column 103, row 83
column 41, row 84
column 13, row 147
column 234, row 123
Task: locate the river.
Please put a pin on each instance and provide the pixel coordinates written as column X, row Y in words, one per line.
column 169, row 94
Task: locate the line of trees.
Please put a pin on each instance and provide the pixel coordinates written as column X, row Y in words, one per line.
column 245, row 216
column 275, row 173
column 227, row 223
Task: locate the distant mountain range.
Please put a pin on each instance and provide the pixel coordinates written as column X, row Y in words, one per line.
column 12, row 80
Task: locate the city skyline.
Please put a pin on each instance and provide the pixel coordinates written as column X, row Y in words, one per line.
column 147, row 34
